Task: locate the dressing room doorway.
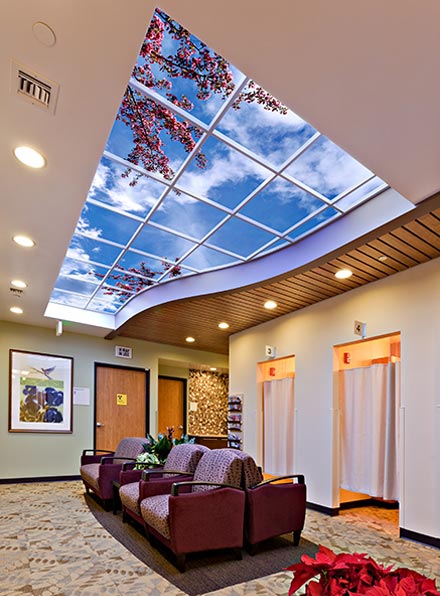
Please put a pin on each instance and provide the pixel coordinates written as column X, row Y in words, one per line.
column 278, row 414
column 368, row 386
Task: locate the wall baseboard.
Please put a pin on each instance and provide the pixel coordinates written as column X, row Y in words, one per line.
column 42, row 479
column 332, row 511
column 370, row 502
column 424, row 538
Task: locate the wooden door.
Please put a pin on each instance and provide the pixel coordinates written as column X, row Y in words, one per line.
column 171, row 408
column 121, row 404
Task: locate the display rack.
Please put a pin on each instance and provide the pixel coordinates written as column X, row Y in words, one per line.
column 235, row 413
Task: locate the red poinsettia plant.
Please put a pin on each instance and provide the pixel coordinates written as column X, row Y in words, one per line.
column 352, row 574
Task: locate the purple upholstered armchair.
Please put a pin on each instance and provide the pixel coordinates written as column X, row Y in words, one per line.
column 136, row 485
column 99, row 468
column 272, row 508
column 209, row 517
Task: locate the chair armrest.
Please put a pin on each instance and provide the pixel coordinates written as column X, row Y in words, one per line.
column 128, row 465
column 129, row 476
column 151, row 473
column 92, row 456
column 178, row 485
column 159, row 486
column 298, row 477
column 110, row 459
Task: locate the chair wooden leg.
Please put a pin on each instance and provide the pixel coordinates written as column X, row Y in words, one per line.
column 238, row 555
column 296, row 537
column 180, row 562
column 251, row 549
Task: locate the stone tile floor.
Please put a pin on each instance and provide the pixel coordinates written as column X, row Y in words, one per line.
column 51, row 545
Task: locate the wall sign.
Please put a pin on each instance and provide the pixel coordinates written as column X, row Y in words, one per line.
column 123, row 352
column 270, row 351
column 121, row 399
column 360, row 328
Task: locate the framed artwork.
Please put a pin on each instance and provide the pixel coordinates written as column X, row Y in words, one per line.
column 40, row 392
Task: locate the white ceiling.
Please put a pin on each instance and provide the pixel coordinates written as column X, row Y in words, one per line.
column 363, row 73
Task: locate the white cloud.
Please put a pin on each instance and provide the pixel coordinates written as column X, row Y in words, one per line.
column 84, row 227
column 66, row 299
column 328, row 169
column 134, row 199
column 231, row 167
column 76, row 252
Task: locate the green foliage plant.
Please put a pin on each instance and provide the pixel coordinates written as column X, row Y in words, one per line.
column 156, row 450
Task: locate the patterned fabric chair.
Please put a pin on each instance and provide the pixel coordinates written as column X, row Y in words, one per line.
column 98, row 471
column 251, row 473
column 272, row 509
column 209, row 517
column 136, row 485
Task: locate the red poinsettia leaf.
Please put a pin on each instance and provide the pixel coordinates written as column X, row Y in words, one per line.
column 300, row 577
column 314, row 588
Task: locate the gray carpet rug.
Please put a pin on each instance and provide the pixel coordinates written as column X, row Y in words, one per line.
column 205, row 572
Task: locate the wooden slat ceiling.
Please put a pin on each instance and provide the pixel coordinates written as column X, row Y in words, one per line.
column 411, row 240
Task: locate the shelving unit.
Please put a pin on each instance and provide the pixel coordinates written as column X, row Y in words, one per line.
column 235, row 421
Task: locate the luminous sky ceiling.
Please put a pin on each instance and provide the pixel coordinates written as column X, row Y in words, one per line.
column 269, row 179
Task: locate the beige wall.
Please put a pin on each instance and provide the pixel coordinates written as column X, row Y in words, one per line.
column 408, row 302
column 30, row 455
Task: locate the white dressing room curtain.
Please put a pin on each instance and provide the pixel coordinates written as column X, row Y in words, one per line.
column 369, row 401
column 279, row 403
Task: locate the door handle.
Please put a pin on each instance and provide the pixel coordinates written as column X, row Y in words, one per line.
column 98, row 424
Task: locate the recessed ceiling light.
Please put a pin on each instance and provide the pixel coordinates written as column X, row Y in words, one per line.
column 17, row 283
column 223, row 325
column 383, row 258
column 29, row 157
column 190, row 340
column 16, row 310
column 343, row 273
column 270, row 304
column 23, row 241
column 213, row 368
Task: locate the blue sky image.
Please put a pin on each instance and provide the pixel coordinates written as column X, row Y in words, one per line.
column 270, row 179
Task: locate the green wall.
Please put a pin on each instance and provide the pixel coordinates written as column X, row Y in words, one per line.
column 36, row 455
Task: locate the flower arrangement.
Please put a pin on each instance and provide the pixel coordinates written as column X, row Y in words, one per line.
column 156, row 450
column 352, row 574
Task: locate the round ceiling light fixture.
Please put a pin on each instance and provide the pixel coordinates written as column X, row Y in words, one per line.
column 16, row 310
column 270, row 304
column 23, row 241
column 29, row 157
column 190, row 339
column 223, row 325
column 18, row 283
column 343, row 273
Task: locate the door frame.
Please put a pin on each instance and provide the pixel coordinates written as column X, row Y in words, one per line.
column 185, row 397
column 147, row 393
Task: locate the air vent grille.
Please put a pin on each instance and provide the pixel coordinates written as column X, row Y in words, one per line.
column 33, row 88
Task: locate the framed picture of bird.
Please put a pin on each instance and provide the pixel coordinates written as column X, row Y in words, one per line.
column 40, row 392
